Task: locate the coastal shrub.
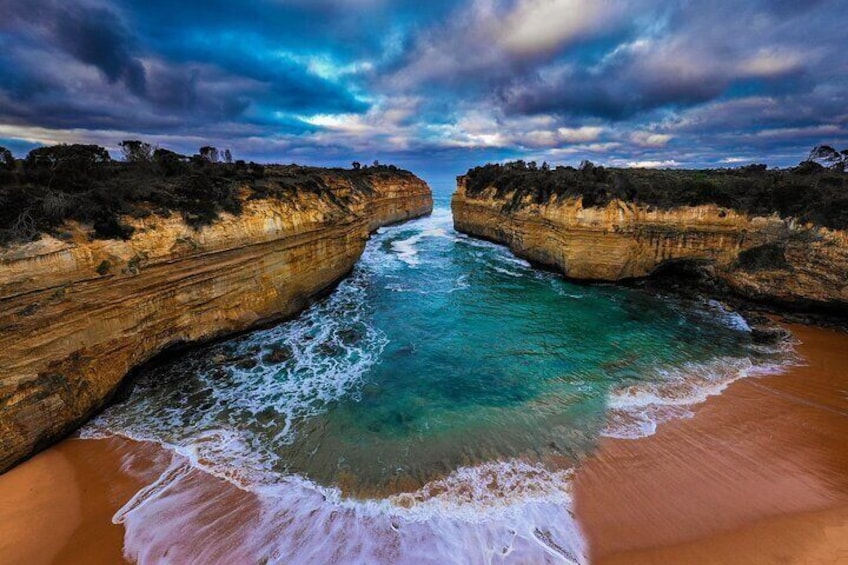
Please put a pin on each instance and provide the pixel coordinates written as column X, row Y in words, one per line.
column 169, row 163
column 7, row 161
column 104, row 267
column 68, row 168
column 771, row 256
column 82, row 183
column 110, row 227
column 136, row 151
column 809, row 192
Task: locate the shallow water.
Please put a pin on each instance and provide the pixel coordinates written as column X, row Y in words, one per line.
column 428, row 410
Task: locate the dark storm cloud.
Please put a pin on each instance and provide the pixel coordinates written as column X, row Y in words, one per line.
column 348, row 27
column 630, row 87
column 92, row 34
column 694, row 83
column 618, row 81
column 198, row 79
column 664, row 55
column 97, row 37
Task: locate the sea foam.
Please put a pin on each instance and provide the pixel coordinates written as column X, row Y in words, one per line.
column 500, row 512
column 241, row 399
column 635, row 411
column 225, row 495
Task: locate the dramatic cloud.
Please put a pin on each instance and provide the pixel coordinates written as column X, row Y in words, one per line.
column 90, row 34
column 437, row 86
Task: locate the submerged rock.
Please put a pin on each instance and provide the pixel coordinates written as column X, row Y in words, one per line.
column 278, row 354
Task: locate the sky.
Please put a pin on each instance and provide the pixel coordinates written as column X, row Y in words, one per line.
column 432, row 85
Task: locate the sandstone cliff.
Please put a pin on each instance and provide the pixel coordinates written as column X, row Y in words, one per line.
column 767, row 259
column 76, row 315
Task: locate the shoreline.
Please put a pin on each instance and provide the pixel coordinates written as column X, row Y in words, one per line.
column 756, row 464
column 57, row 506
column 756, row 476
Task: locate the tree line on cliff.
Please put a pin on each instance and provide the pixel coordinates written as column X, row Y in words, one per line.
column 811, row 192
column 82, row 182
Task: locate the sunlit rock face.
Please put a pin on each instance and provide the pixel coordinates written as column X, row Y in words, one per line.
column 764, row 258
column 77, row 315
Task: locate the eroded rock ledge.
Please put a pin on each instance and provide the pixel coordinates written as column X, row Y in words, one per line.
column 77, row 315
column 773, row 260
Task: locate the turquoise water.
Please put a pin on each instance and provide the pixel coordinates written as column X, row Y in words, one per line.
column 439, row 354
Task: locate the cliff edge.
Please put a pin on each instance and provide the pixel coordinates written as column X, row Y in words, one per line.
column 77, row 313
column 763, row 257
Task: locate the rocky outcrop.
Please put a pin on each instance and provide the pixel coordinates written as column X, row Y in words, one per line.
column 768, row 259
column 77, row 315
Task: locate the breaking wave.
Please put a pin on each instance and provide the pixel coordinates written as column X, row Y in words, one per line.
column 432, row 330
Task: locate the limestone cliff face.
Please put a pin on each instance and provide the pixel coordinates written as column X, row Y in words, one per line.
column 77, row 315
column 397, row 200
column 763, row 258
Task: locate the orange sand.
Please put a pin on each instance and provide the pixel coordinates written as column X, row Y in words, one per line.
column 58, row 506
column 758, row 475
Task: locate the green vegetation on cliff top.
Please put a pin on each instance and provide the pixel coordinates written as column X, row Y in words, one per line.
column 809, row 192
column 83, row 183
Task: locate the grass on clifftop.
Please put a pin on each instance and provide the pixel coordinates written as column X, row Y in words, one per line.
column 809, row 192
column 82, row 182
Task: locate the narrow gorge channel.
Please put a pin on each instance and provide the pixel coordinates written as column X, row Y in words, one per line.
column 436, row 403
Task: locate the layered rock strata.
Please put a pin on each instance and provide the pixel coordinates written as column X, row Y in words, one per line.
column 768, row 259
column 76, row 315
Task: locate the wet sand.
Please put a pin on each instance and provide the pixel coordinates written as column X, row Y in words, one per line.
column 758, row 475
column 57, row 507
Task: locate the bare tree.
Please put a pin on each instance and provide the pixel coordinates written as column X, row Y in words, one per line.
column 7, row 160
column 24, row 227
column 136, row 151
column 209, row 153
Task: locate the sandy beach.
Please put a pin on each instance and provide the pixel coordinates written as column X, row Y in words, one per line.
column 57, row 507
column 758, row 475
